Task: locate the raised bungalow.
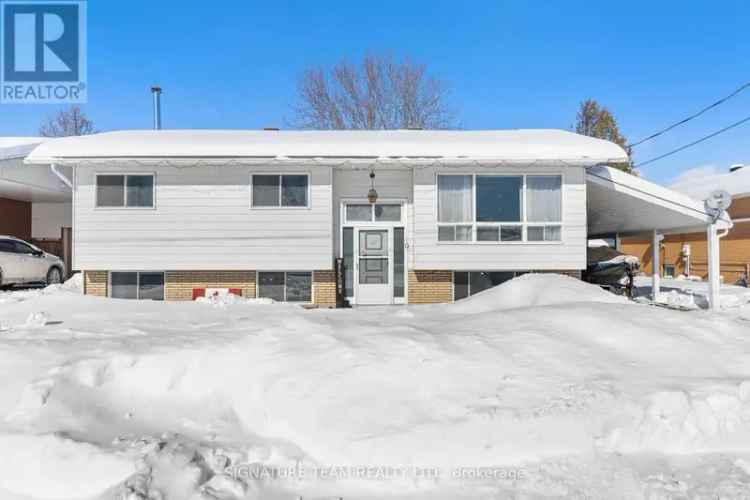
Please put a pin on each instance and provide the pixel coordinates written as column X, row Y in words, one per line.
column 161, row 214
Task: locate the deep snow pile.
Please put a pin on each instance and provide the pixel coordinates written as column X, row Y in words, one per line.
column 580, row 395
column 533, row 290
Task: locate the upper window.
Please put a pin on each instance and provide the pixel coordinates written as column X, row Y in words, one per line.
column 499, row 208
column 284, row 190
column 132, row 191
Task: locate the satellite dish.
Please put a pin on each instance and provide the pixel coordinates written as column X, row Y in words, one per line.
column 719, row 200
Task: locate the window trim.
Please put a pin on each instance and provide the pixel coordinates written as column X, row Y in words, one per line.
column 308, row 206
column 524, row 223
column 285, row 301
column 125, row 189
column 138, row 283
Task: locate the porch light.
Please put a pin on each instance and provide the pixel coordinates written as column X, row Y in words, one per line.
column 372, row 194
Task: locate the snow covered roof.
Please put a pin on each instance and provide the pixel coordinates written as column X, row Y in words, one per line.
column 18, row 147
column 500, row 145
column 699, row 183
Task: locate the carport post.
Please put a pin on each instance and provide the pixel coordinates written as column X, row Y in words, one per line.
column 655, row 276
column 714, row 269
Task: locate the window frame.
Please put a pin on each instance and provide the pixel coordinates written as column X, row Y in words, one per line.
column 373, row 222
column 307, row 206
column 125, row 190
column 285, row 301
column 524, row 223
column 138, row 284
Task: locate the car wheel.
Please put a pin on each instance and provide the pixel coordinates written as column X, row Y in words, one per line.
column 53, row 276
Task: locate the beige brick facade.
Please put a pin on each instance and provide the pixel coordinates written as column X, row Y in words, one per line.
column 179, row 285
column 430, row 287
column 95, row 283
column 324, row 288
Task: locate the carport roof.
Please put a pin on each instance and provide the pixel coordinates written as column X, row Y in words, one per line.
column 626, row 204
column 18, row 147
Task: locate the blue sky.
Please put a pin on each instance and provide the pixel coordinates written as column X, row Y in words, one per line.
column 235, row 64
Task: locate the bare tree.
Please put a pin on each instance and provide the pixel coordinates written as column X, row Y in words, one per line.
column 378, row 94
column 67, row 122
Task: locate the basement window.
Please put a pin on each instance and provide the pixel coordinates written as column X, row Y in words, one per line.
column 285, row 286
column 467, row 283
column 136, row 285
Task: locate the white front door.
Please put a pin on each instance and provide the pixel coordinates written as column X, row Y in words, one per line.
column 373, row 274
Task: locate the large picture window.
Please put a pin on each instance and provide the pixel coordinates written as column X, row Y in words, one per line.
column 282, row 190
column 499, row 208
column 125, row 191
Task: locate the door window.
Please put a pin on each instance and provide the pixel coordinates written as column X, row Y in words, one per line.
column 373, row 257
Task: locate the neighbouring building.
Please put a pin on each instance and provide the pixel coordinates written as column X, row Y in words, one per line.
column 686, row 252
column 416, row 216
column 35, row 204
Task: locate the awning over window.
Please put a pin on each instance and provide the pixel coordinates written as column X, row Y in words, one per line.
column 626, row 204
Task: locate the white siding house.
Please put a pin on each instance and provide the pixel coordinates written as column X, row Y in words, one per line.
column 161, row 214
column 201, row 219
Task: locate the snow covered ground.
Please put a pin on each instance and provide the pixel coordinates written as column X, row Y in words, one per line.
column 693, row 294
column 544, row 387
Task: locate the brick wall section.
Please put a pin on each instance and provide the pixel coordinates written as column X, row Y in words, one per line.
column 179, row 285
column 95, row 283
column 324, row 288
column 430, row 287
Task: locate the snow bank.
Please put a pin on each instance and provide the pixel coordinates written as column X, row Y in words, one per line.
column 54, row 467
column 690, row 293
column 534, row 290
column 222, row 300
column 683, row 422
column 555, row 378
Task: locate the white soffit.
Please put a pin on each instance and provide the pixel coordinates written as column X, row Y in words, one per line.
column 622, row 203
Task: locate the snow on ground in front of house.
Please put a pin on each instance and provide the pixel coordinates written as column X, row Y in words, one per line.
column 544, row 387
column 691, row 293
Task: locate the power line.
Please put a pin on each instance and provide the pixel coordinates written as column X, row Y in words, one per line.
column 735, row 124
column 696, row 115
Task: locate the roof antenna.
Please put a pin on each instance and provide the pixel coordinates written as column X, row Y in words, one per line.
column 156, row 91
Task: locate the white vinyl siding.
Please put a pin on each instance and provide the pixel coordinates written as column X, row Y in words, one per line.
column 567, row 254
column 202, row 222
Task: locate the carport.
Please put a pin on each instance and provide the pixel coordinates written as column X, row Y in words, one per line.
column 35, row 202
column 623, row 204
